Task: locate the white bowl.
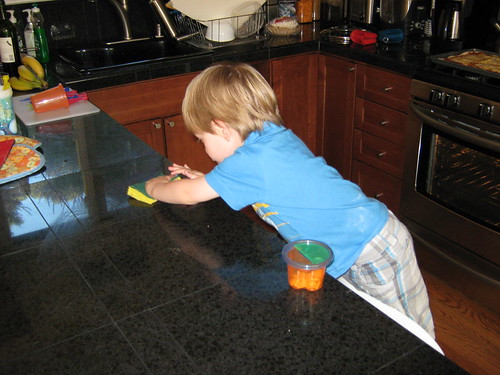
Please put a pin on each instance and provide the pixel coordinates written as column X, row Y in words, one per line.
column 219, row 31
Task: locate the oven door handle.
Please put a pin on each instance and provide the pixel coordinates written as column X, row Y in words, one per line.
column 456, row 130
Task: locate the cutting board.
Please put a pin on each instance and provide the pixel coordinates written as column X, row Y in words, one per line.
column 25, row 112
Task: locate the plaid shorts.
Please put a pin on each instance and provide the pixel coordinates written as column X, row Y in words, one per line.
column 387, row 270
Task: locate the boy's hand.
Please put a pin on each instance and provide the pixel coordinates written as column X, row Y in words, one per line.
column 185, row 170
column 154, row 181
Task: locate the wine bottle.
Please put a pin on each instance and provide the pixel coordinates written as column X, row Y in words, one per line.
column 9, row 45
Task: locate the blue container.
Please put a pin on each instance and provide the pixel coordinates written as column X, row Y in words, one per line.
column 391, row 36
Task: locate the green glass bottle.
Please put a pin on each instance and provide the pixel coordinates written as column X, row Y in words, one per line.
column 9, row 46
column 41, row 44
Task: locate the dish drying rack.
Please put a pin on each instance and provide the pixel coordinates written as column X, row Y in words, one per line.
column 246, row 28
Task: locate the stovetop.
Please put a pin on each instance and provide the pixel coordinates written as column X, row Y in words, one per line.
column 463, row 80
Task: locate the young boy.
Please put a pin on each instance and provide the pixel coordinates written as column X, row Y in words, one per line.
column 234, row 112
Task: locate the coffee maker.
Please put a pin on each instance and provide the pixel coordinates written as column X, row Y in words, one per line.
column 412, row 16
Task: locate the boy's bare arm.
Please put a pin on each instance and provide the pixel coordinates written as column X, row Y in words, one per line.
column 184, row 191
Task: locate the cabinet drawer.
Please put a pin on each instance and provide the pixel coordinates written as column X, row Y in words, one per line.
column 377, row 184
column 386, row 88
column 378, row 153
column 381, row 121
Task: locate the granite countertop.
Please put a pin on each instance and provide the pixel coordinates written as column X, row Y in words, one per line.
column 95, row 283
column 404, row 58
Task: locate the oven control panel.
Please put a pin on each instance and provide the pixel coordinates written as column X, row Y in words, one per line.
column 452, row 100
column 444, row 99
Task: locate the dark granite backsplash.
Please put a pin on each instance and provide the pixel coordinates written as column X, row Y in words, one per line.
column 83, row 22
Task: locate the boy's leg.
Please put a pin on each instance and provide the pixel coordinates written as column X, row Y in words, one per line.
column 387, row 270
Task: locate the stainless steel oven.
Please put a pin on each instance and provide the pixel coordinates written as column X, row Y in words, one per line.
column 451, row 186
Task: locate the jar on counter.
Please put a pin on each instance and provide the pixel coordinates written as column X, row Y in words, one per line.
column 304, row 11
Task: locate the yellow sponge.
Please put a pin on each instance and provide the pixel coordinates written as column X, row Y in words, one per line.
column 138, row 191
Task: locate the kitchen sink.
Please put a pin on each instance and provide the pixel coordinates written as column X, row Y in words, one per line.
column 127, row 53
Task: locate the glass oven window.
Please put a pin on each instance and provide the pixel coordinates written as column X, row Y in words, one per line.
column 460, row 176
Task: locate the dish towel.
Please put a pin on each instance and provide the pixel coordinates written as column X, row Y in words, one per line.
column 138, row 191
column 5, row 147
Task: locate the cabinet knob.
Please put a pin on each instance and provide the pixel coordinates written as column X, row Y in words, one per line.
column 387, row 89
column 157, row 124
column 383, row 123
column 171, row 124
column 380, row 154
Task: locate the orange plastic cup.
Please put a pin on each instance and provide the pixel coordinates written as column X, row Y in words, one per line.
column 50, row 99
column 306, row 263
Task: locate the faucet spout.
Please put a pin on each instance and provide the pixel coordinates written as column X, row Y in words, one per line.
column 122, row 12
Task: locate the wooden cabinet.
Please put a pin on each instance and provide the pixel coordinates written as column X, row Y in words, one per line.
column 295, row 82
column 150, row 132
column 151, row 110
column 362, row 125
column 337, row 82
column 183, row 147
column 381, row 108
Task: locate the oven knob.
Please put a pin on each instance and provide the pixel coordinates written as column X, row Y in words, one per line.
column 452, row 101
column 437, row 97
column 485, row 110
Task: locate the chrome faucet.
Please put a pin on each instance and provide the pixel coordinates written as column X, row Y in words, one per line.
column 122, row 10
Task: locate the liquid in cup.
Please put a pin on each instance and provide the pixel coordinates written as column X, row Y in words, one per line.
column 306, row 263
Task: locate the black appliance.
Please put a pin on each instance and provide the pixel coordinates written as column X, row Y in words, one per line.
column 412, row 16
column 451, row 185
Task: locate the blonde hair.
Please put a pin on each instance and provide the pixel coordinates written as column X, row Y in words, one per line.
column 233, row 93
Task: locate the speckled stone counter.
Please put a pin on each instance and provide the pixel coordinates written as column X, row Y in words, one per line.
column 404, row 58
column 94, row 283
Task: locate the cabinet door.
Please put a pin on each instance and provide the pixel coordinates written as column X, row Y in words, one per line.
column 183, row 147
column 377, row 184
column 150, row 132
column 294, row 80
column 337, row 79
column 264, row 68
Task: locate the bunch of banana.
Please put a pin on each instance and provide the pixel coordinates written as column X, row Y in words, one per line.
column 31, row 75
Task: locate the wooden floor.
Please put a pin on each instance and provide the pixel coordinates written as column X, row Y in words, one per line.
column 468, row 333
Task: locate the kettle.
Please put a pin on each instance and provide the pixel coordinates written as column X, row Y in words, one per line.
column 451, row 23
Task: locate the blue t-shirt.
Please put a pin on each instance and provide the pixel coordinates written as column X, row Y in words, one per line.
column 299, row 194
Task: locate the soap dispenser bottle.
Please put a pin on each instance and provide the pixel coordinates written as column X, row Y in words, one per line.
column 18, row 27
column 41, row 44
column 29, row 34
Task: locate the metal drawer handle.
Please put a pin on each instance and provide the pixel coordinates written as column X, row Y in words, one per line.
column 157, row 125
column 383, row 123
column 386, row 89
column 351, row 69
column 380, row 154
column 378, row 195
column 171, row 124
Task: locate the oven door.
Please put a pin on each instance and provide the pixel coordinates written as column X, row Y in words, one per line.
column 451, row 187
